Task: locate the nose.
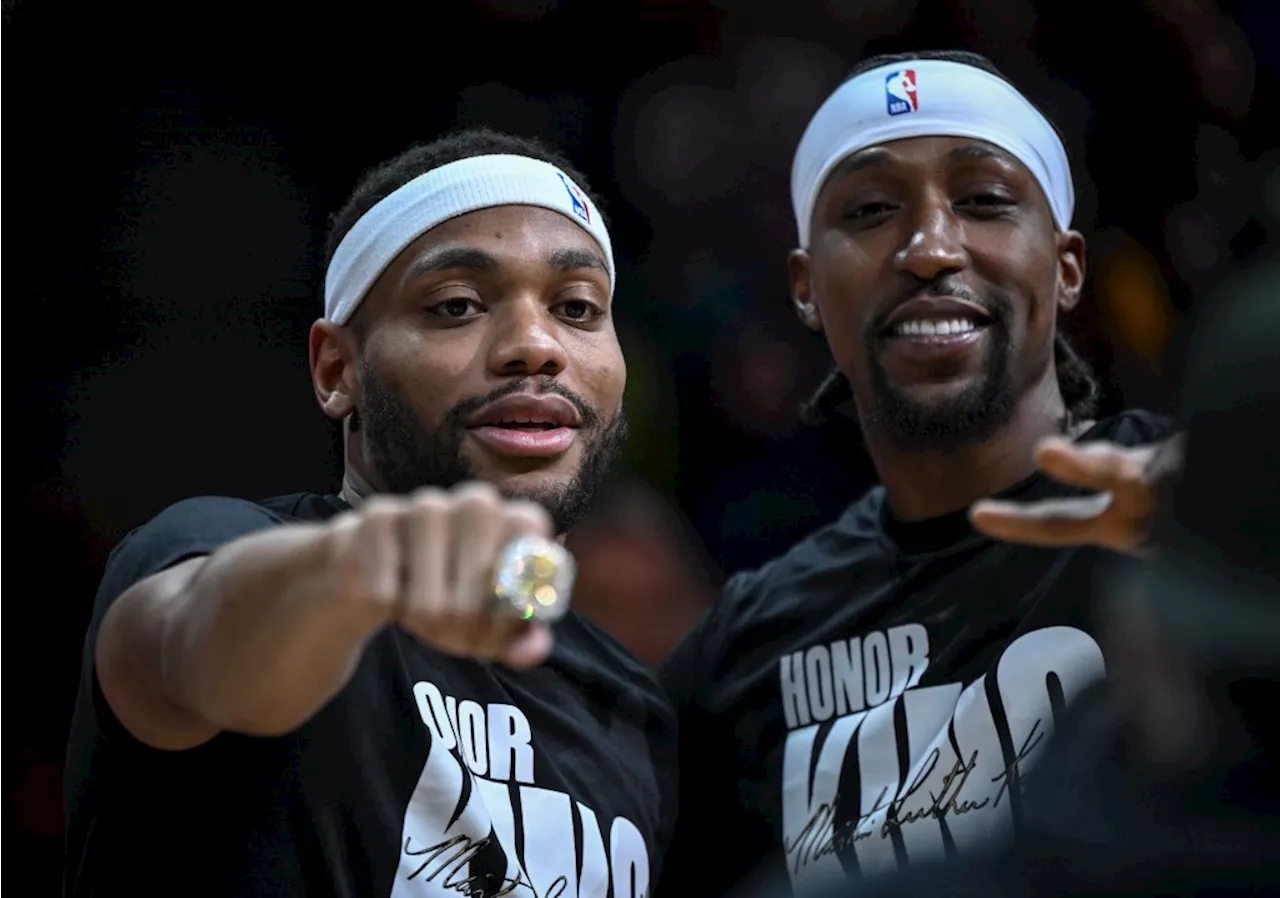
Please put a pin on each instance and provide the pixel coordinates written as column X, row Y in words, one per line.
column 525, row 342
column 935, row 246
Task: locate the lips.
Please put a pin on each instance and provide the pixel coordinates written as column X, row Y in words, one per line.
column 526, row 426
column 936, row 316
column 525, row 411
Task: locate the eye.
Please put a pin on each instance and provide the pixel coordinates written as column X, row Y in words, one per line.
column 864, row 211
column 988, row 203
column 456, row 308
column 579, row 310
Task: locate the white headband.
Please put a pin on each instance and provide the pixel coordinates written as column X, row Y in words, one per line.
column 446, row 192
column 928, row 98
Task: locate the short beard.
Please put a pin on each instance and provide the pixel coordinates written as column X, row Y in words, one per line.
column 408, row 455
column 971, row 416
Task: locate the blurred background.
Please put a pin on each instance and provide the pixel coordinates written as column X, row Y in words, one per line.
column 172, row 168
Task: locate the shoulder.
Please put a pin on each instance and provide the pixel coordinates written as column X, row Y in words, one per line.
column 304, row 506
column 782, row 582
column 772, row 597
column 195, row 525
column 183, row 530
column 201, row 524
column 1133, row 427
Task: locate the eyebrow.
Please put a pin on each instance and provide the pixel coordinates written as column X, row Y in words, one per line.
column 445, row 257
column 574, row 259
column 875, row 156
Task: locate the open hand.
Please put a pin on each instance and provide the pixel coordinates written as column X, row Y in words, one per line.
column 1117, row 517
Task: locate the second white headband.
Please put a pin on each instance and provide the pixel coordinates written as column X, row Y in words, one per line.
column 407, row 213
column 928, row 98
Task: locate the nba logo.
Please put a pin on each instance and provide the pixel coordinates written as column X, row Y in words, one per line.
column 900, row 91
column 579, row 201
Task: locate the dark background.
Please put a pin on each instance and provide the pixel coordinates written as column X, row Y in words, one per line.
column 171, row 169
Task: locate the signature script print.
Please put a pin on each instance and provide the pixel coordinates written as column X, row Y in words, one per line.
column 822, row 836
column 450, row 859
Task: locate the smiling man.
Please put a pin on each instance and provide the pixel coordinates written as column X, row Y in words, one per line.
column 871, row 698
column 361, row 694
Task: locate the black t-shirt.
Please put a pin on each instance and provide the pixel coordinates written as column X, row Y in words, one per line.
column 868, row 699
column 1098, row 818
column 426, row 775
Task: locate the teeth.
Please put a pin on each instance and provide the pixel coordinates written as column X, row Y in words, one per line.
column 919, row 328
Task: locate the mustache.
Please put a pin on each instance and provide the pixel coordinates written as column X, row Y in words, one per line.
column 995, row 303
column 467, row 407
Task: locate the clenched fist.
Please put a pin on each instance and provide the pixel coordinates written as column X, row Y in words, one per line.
column 428, row 560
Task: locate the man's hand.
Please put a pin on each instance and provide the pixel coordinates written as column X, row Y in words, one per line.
column 428, row 559
column 1118, row 517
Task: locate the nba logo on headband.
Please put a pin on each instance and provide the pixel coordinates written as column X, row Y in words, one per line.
column 900, row 91
column 884, row 104
column 580, row 208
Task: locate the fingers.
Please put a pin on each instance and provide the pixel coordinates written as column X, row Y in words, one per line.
column 367, row 556
column 424, row 536
column 1055, row 522
column 1083, row 508
column 1094, row 466
column 452, row 541
column 1114, row 518
column 484, row 522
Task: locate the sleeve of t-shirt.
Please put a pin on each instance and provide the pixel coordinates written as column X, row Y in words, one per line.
column 697, row 862
column 187, row 529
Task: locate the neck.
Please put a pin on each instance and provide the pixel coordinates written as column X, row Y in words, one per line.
column 355, row 489
column 920, row 485
column 356, row 486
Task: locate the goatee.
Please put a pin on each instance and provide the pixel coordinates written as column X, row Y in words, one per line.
column 969, row 417
column 409, row 455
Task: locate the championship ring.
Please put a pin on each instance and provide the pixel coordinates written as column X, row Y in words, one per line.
column 533, row 578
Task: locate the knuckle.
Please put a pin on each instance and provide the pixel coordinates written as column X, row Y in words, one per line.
column 476, row 490
column 379, row 513
column 427, row 495
column 526, row 514
column 429, row 502
column 478, row 513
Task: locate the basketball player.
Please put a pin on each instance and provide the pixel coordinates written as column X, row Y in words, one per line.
column 871, row 698
column 360, row 694
column 1163, row 781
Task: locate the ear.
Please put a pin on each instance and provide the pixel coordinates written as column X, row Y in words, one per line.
column 1071, row 263
column 802, row 290
column 334, row 352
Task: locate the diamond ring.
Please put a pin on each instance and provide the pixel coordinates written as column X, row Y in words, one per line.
column 533, row 578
